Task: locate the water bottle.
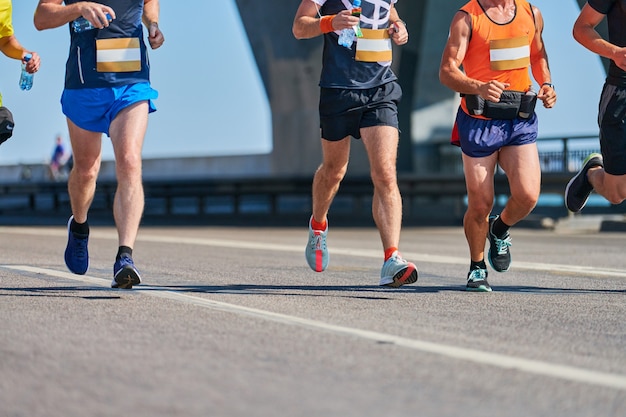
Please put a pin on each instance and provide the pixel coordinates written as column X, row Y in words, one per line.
column 81, row 24
column 346, row 37
column 527, row 105
column 26, row 78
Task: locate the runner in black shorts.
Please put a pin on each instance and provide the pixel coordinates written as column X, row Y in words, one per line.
column 605, row 173
column 359, row 98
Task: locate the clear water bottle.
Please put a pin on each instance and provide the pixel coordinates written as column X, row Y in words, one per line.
column 26, row 78
column 347, row 36
column 81, row 24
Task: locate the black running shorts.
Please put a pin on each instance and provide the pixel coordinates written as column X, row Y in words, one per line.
column 612, row 121
column 345, row 112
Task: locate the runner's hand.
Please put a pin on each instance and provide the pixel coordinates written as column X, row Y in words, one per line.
column 398, row 33
column 345, row 20
column 492, row 90
column 96, row 13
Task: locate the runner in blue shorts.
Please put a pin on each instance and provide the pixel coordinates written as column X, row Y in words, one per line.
column 359, row 98
column 107, row 91
column 604, row 173
column 490, row 50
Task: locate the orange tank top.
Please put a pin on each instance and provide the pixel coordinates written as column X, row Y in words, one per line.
column 500, row 51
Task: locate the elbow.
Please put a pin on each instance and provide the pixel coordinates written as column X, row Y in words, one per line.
column 576, row 34
column 39, row 23
column 443, row 77
column 297, row 33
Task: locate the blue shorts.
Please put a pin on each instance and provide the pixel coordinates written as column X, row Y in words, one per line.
column 480, row 138
column 94, row 109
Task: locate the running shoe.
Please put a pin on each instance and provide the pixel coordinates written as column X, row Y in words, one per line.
column 125, row 275
column 76, row 253
column 477, row 281
column 316, row 251
column 397, row 272
column 499, row 253
column 579, row 188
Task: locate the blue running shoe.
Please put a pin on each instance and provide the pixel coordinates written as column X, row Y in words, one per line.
column 125, row 275
column 477, row 281
column 397, row 272
column 316, row 251
column 76, row 253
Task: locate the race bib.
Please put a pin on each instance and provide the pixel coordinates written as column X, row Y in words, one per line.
column 509, row 54
column 374, row 46
column 118, row 55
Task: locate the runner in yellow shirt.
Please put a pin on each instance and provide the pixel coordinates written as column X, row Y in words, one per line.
column 10, row 46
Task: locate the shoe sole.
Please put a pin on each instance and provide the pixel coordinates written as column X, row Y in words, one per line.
column 126, row 278
column 405, row 276
column 567, row 187
column 482, row 288
column 571, row 181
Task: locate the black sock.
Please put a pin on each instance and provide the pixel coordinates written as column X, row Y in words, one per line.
column 500, row 228
column 79, row 228
column 478, row 265
column 124, row 250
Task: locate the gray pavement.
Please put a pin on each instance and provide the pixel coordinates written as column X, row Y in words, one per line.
column 231, row 322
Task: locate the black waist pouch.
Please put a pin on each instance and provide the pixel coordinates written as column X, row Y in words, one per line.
column 507, row 108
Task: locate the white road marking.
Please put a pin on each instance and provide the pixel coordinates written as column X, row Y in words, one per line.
column 273, row 247
column 570, row 373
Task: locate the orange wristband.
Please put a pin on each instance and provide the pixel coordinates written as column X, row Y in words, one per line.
column 326, row 23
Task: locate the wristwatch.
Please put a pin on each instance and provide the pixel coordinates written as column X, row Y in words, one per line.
column 549, row 85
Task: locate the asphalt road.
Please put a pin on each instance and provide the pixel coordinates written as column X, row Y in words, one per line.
column 231, row 322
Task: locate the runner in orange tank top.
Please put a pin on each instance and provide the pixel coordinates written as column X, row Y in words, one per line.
column 490, row 49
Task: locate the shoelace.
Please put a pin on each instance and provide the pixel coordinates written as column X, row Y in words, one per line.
column 80, row 247
column 125, row 261
column 503, row 245
column 478, row 275
column 318, row 242
column 399, row 260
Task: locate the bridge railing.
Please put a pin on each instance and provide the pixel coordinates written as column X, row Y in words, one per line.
column 428, row 199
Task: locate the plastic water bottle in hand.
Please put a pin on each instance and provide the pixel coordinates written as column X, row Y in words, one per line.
column 347, row 36
column 82, row 25
column 26, row 78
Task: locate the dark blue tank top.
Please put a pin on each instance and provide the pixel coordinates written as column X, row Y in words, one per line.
column 339, row 68
column 80, row 70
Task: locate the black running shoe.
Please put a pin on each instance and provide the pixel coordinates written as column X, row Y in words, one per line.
column 477, row 281
column 579, row 188
column 499, row 253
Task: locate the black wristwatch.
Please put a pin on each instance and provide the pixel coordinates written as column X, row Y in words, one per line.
column 549, row 85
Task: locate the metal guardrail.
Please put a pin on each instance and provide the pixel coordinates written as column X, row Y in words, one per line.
column 428, row 199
